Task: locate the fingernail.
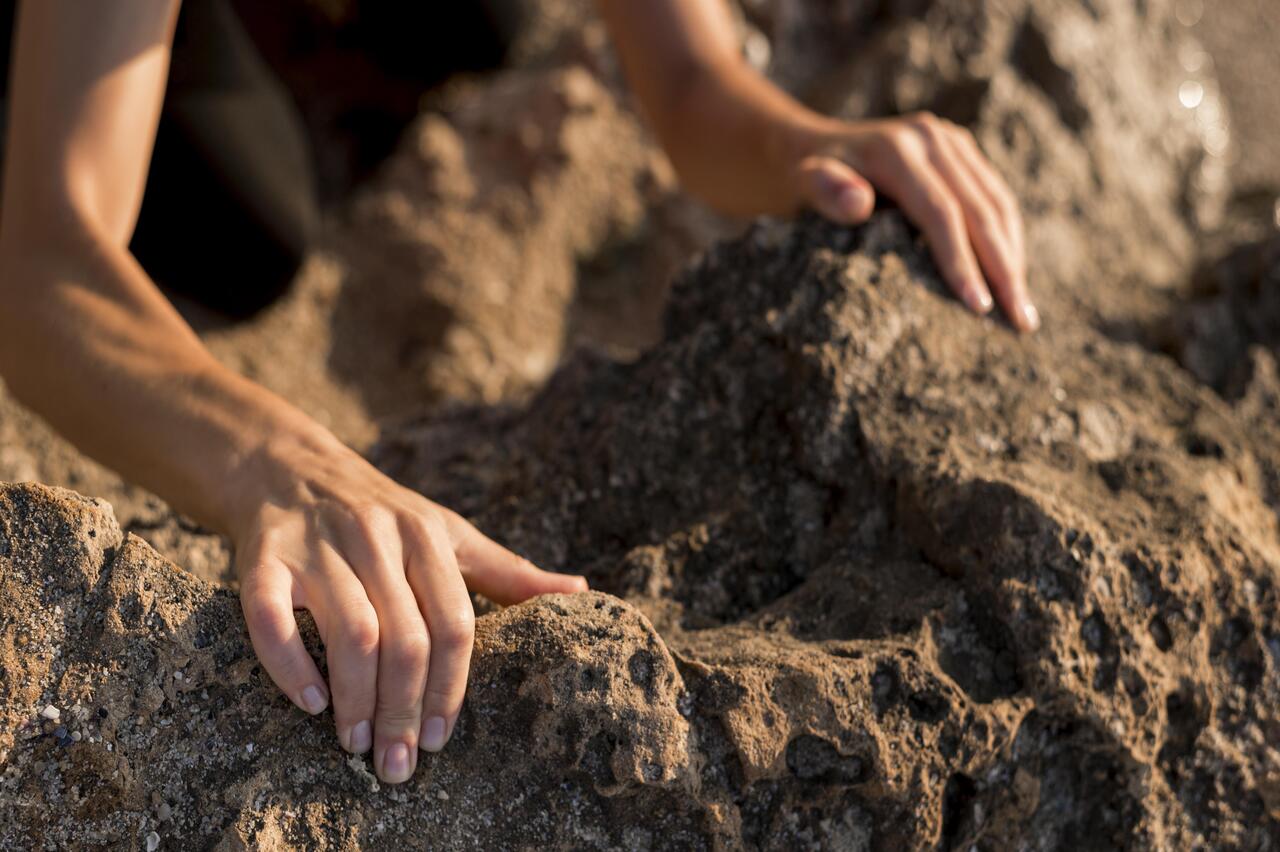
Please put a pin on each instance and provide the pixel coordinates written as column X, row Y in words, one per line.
column 395, row 764
column 313, row 700
column 1031, row 316
column 978, row 298
column 433, row 734
column 361, row 738
column 851, row 201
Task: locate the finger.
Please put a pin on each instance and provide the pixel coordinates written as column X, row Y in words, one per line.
column 997, row 189
column 432, row 570
column 987, row 231
column 929, row 202
column 348, row 624
column 835, row 190
column 266, row 596
column 372, row 546
column 500, row 575
column 1007, row 272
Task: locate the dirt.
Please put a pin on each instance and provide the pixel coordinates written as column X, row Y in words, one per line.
column 869, row 572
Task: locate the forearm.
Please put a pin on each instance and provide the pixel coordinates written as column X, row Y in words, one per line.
column 88, row 343
column 716, row 117
column 732, row 122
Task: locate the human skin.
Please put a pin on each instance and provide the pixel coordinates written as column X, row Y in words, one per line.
column 89, row 342
column 747, row 148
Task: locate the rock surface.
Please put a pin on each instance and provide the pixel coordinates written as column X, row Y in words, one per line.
column 914, row 580
column 870, row 572
column 166, row 724
column 1028, row 586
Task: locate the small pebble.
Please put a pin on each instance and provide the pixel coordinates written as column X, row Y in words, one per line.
column 442, row 796
column 77, row 736
column 51, row 713
column 153, row 842
column 249, row 748
column 60, row 731
column 164, row 812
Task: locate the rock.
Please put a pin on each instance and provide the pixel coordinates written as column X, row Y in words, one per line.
column 830, row 616
column 930, row 619
column 1061, row 96
column 870, row 572
column 581, row 688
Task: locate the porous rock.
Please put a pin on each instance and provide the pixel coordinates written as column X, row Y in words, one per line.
column 572, row 719
column 925, row 580
column 871, row 573
column 1080, row 106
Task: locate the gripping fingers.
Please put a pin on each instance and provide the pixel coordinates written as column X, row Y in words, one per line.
column 931, row 204
column 374, row 549
column 1015, row 298
column 988, row 232
column 432, row 569
column 267, row 599
column 350, row 629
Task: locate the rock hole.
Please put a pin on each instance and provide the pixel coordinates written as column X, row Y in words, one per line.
column 812, row 758
column 641, row 667
column 1160, row 633
column 885, row 686
column 957, row 806
column 927, row 706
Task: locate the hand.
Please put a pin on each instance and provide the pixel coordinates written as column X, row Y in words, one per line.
column 935, row 172
column 385, row 573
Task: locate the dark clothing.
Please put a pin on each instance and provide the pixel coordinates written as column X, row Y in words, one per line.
column 230, row 205
column 231, row 197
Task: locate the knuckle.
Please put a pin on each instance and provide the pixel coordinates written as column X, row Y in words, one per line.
column 360, row 631
column 370, row 517
column 892, row 147
column 409, row 650
column 902, row 138
column 457, row 632
column 944, row 211
column 927, row 124
column 264, row 618
column 433, row 531
column 396, row 714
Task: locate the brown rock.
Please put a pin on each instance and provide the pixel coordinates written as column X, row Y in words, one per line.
column 1069, row 638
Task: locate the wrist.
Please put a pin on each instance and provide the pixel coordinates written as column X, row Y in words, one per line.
column 274, row 449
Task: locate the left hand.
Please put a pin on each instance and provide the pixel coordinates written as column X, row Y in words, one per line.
column 934, row 170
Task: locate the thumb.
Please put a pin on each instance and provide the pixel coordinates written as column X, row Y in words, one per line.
column 835, row 190
column 505, row 578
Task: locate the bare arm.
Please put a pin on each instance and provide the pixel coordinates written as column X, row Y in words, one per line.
column 748, row 148
column 88, row 341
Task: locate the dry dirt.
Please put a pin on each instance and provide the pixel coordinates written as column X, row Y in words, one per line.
column 871, row 573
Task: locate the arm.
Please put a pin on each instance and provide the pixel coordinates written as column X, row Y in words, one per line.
column 747, row 148
column 88, row 341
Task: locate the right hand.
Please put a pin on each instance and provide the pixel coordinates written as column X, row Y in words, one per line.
column 385, row 573
column 935, row 171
